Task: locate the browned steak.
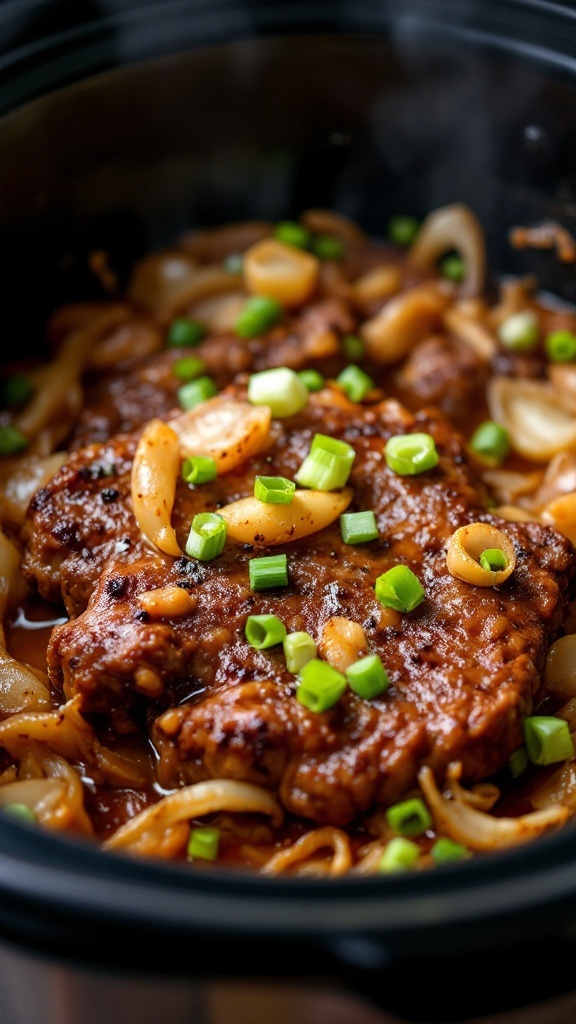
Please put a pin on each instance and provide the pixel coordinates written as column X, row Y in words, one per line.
column 464, row 666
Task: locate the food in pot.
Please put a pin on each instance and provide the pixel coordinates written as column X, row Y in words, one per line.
column 288, row 525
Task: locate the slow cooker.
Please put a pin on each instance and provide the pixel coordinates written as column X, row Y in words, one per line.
column 123, row 123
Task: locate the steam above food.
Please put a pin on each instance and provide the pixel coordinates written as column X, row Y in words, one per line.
column 296, row 511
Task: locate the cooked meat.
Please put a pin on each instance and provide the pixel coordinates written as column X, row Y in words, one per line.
column 464, row 666
column 444, row 373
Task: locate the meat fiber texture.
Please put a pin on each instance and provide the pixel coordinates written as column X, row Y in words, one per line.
column 465, row 666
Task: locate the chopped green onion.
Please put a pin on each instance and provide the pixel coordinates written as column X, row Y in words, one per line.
column 203, row 843
column 299, row 649
column 407, row 454
column 258, row 315
column 402, row 230
column 264, row 631
column 518, row 762
column 327, row 247
column 234, row 263
column 447, row 851
column 368, row 677
column 196, row 391
column 355, row 382
column 274, row 490
column 280, row 388
column 320, row 686
column 520, row 331
column 268, row 571
column 312, row 379
column 354, row 347
column 561, row 346
column 292, row 233
column 547, row 739
column 490, row 441
column 453, row 267
column 12, row 440
column 493, row 559
column 409, row 817
column 16, row 390
column 400, row 855
column 199, row 469
column 328, row 464
column 20, row 811
column 207, row 536
column 399, row 588
column 358, row 527
column 185, row 332
column 188, row 368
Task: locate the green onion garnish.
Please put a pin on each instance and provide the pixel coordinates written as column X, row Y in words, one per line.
column 561, row 346
column 259, row 314
column 196, row 391
column 299, row 649
column 518, row 762
column 274, row 490
column 320, row 686
column 447, row 851
column 12, row 440
column 402, row 230
column 328, row 464
column 490, row 441
column 207, row 536
column 268, row 571
column 280, row 388
column 408, row 454
column 292, row 233
column 493, row 559
column 185, row 332
column 188, row 368
column 368, row 677
column 16, row 390
column 355, row 382
column 354, row 347
column 327, row 247
column 263, row 631
column 453, row 267
column 520, row 331
column 400, row 855
column 20, row 811
column 312, row 379
column 399, row 588
column 548, row 739
column 358, row 527
column 203, row 843
column 409, row 817
column 199, row 469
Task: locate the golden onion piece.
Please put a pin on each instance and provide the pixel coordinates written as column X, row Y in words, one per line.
column 538, row 423
column 342, row 642
column 332, row 839
column 465, row 548
column 378, row 283
column 561, row 514
column 471, row 332
column 251, row 521
column 225, row 430
column 560, row 668
column 457, row 817
column 280, row 271
column 328, row 222
column 452, row 227
column 153, row 484
column 402, row 323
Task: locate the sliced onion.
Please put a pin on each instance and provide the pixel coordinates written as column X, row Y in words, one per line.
column 228, row 431
column 453, row 227
column 539, row 425
column 561, row 514
column 251, row 521
column 30, row 473
column 456, row 818
column 153, row 484
column 560, row 668
column 342, row 642
column 402, row 323
column 300, row 852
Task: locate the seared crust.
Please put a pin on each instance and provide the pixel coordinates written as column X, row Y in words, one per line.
column 465, row 666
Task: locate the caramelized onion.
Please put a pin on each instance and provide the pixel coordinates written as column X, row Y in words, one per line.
column 560, row 668
column 153, row 484
column 403, row 322
column 308, row 844
column 228, row 431
column 342, row 642
column 251, row 521
column 447, row 228
column 539, row 425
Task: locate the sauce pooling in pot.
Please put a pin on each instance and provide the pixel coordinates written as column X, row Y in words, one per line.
column 288, row 555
